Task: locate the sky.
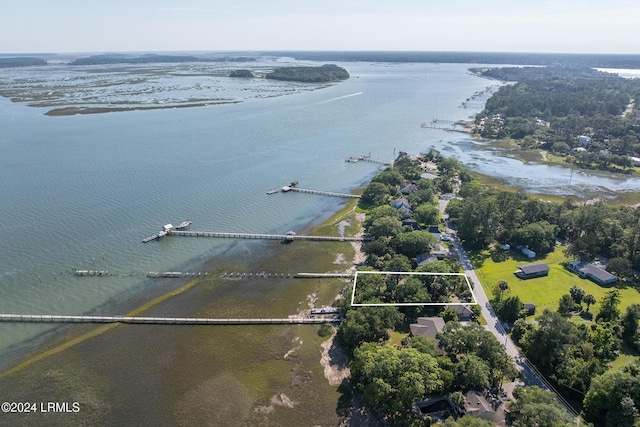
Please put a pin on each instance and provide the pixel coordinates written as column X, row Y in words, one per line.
column 567, row 26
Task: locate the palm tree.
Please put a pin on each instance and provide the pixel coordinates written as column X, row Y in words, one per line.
column 589, row 299
column 503, row 287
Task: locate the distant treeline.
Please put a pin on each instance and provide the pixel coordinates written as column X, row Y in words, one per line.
column 21, row 62
column 564, row 59
column 553, row 106
column 325, row 73
column 154, row 59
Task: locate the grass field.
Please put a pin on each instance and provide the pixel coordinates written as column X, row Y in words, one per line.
column 545, row 292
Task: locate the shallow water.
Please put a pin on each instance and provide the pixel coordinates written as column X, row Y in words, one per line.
column 82, row 191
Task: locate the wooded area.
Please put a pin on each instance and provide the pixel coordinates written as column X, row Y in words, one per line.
column 586, row 115
column 325, row 73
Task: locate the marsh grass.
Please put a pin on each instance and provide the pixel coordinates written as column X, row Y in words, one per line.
column 198, row 375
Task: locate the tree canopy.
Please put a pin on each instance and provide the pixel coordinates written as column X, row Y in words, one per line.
column 324, row 73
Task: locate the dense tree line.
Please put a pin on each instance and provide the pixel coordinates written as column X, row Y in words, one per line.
column 551, row 106
column 154, row 59
column 487, row 217
column 575, row 356
column 325, row 73
column 573, row 60
column 392, row 378
column 22, row 61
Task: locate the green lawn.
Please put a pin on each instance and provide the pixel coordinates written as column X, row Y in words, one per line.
column 545, row 292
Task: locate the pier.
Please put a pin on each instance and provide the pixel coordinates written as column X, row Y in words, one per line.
column 53, row 318
column 324, row 193
column 323, row 275
column 288, row 236
column 440, row 124
column 356, row 159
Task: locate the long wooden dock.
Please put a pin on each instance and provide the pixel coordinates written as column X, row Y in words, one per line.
column 52, row 318
column 324, row 193
column 292, row 237
column 323, row 275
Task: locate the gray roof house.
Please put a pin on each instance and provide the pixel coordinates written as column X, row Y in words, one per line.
column 529, row 271
column 427, row 326
column 592, row 272
column 402, row 205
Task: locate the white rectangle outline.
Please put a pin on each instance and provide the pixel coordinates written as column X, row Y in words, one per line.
column 410, row 304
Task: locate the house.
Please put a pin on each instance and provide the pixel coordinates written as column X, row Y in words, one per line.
column 584, row 140
column 437, row 408
column 402, row 205
column 592, row 272
column 435, row 232
column 486, row 406
column 427, row 326
column 429, row 175
column 528, row 252
column 425, row 258
column 409, row 222
column 439, row 254
column 464, row 312
column 529, row 271
column 409, row 189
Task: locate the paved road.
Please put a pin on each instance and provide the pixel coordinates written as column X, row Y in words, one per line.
column 528, row 374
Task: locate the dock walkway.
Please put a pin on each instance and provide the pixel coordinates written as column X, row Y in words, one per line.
column 52, row 318
column 324, row 193
column 263, row 236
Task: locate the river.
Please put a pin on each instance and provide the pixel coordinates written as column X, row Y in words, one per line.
column 81, row 192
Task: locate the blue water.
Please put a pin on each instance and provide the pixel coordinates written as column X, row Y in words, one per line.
column 82, row 191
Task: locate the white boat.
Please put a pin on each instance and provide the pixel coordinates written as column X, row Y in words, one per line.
column 183, row 225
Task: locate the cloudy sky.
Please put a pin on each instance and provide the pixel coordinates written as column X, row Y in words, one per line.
column 581, row 26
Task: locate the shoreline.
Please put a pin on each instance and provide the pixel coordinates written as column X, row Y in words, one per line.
column 100, row 355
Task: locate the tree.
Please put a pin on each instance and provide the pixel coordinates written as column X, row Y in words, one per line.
column 414, row 243
column 458, row 399
column 613, row 396
column 381, row 212
column 510, row 309
column 620, row 267
column 471, row 372
column 422, row 344
column 367, row 324
column 502, row 287
column 385, row 226
column 426, row 214
column 577, row 294
column 457, row 341
column 540, row 236
column 537, row 407
column 630, row 331
column 566, row 306
column 468, row 421
column 609, row 307
column 545, row 343
column 391, row 177
column 589, row 300
column 376, row 194
column 449, row 315
column 394, row 378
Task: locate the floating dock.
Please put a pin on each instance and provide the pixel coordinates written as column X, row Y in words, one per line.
column 165, row 230
column 52, row 318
